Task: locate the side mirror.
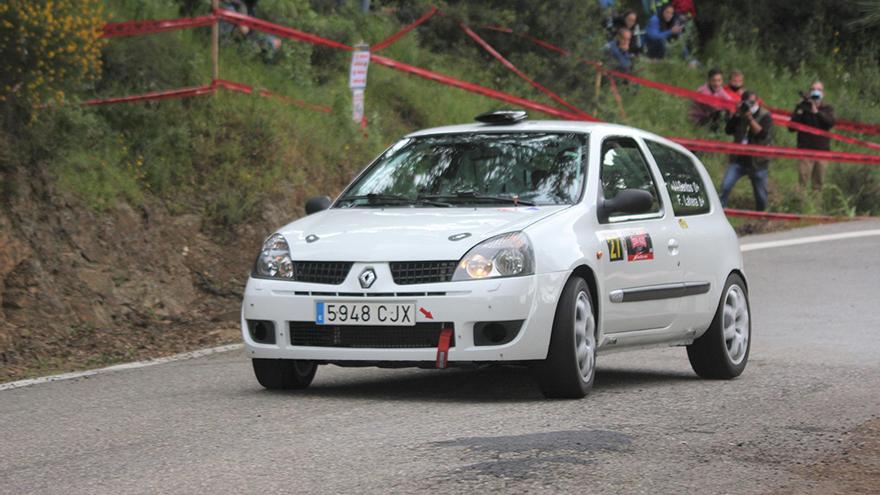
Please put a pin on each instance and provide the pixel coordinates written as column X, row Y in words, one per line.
column 632, row 201
column 318, row 203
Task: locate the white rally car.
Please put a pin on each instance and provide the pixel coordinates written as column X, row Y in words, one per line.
column 508, row 241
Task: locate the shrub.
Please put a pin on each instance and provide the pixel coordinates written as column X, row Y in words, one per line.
column 48, row 47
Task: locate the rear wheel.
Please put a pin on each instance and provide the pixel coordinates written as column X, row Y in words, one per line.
column 570, row 367
column 723, row 351
column 284, row 374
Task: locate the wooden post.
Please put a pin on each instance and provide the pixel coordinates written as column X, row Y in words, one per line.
column 598, row 90
column 215, row 42
column 617, row 97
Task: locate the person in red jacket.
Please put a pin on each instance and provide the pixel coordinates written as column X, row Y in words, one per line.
column 734, row 87
column 685, row 7
column 710, row 116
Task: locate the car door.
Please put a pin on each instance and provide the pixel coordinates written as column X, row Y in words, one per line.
column 698, row 232
column 640, row 269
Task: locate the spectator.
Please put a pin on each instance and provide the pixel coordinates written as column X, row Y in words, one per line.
column 629, row 20
column 606, row 8
column 814, row 112
column 618, row 52
column 734, row 88
column 651, row 6
column 662, row 28
column 268, row 45
column 703, row 114
column 751, row 124
column 684, row 9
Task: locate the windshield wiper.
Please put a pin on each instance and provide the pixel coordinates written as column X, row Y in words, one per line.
column 392, row 199
column 473, row 196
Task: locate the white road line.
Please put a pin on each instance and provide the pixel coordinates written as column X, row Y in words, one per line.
column 807, row 240
column 119, row 367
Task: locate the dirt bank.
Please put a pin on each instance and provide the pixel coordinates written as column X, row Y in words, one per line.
column 80, row 289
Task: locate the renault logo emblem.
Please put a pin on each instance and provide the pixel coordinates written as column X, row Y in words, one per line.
column 367, row 278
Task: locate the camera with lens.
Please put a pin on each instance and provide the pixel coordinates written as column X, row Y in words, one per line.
column 744, row 107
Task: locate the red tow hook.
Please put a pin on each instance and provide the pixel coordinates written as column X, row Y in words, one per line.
column 443, row 348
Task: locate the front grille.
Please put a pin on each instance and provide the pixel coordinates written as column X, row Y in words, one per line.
column 321, row 272
column 307, row 333
column 422, row 272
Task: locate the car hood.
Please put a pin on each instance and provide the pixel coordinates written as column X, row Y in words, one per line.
column 403, row 234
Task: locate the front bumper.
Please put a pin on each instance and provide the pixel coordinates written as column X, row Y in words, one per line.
column 531, row 299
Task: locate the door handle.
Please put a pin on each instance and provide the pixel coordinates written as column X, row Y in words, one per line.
column 672, row 245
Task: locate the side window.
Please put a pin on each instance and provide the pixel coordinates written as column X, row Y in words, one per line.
column 686, row 188
column 624, row 167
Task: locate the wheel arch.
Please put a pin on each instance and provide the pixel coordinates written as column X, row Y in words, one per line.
column 737, row 271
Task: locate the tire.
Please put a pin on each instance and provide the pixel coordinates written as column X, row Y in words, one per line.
column 570, row 367
column 723, row 351
column 284, row 374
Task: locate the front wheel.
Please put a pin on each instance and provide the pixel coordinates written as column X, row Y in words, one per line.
column 284, row 374
column 570, row 367
column 723, row 351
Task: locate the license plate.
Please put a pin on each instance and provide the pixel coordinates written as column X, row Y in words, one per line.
column 365, row 313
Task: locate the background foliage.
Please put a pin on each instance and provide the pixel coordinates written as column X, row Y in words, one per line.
column 232, row 157
column 48, row 47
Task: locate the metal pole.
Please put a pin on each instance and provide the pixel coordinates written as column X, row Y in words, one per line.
column 365, row 5
column 215, row 42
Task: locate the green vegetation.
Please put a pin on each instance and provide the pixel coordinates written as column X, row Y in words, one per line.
column 227, row 155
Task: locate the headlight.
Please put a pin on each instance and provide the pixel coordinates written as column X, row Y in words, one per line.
column 506, row 255
column 274, row 259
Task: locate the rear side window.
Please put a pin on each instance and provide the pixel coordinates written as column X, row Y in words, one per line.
column 624, row 167
column 686, row 188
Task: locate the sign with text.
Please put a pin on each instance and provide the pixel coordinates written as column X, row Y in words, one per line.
column 360, row 62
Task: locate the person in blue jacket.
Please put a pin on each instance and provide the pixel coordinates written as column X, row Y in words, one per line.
column 618, row 52
column 663, row 27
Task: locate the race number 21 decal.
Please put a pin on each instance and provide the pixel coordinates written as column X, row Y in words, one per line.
column 639, row 247
column 615, row 248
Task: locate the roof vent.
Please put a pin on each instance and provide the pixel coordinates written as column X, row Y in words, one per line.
column 500, row 117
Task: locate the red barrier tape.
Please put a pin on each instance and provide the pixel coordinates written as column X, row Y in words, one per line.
column 204, row 90
column 779, row 116
column 791, row 217
column 155, row 95
column 400, row 34
column 539, row 42
column 134, row 28
column 244, row 88
column 475, row 88
column 845, row 125
column 696, row 145
column 489, row 48
column 278, row 30
column 776, row 151
column 780, row 119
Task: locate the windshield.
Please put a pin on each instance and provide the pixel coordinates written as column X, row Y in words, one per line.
column 465, row 169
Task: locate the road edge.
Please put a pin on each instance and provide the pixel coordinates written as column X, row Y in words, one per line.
column 184, row 356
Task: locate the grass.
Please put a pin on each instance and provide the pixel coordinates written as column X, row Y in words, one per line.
column 225, row 155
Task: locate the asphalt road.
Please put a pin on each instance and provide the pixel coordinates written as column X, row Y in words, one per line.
column 650, row 426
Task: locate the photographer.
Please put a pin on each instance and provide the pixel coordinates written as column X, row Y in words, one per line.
column 751, row 124
column 814, row 112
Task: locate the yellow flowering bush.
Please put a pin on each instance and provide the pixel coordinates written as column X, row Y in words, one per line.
column 48, row 47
